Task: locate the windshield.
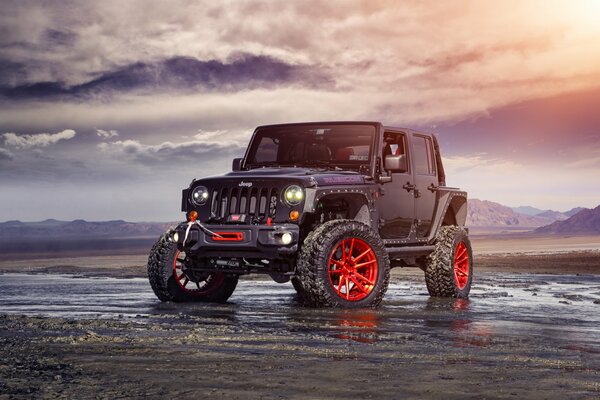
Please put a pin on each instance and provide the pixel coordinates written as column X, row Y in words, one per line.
column 322, row 145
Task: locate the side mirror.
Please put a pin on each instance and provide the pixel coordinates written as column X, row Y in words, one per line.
column 237, row 164
column 396, row 163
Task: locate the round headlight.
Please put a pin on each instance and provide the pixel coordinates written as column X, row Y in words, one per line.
column 199, row 195
column 293, row 195
column 286, row 238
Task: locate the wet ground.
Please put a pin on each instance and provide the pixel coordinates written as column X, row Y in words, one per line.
column 518, row 336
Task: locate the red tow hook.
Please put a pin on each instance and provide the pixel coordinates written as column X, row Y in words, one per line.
column 269, row 221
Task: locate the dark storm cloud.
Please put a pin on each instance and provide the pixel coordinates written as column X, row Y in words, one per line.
column 182, row 74
column 11, row 72
column 58, row 37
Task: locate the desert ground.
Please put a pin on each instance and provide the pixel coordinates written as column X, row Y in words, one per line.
column 73, row 326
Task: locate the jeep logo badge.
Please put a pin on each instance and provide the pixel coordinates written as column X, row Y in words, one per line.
column 245, row 184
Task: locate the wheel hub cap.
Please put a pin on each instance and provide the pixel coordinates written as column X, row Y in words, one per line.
column 461, row 265
column 352, row 269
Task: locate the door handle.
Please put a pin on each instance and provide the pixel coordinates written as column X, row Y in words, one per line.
column 433, row 188
column 409, row 187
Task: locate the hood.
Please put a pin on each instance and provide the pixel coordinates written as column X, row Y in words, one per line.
column 308, row 177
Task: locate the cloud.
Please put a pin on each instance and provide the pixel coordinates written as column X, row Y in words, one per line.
column 477, row 161
column 186, row 74
column 5, row 154
column 517, row 183
column 37, row 140
column 107, row 134
column 205, row 146
column 156, row 76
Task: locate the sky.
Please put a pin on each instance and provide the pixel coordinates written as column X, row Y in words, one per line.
column 108, row 109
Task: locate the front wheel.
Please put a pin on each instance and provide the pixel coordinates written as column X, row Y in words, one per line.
column 343, row 264
column 449, row 268
column 172, row 281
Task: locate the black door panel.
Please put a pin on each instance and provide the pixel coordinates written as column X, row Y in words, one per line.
column 397, row 205
column 425, row 178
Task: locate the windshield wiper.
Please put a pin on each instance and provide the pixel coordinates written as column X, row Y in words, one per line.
column 269, row 164
column 321, row 163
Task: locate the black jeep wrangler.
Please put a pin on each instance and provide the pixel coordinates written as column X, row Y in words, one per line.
column 331, row 206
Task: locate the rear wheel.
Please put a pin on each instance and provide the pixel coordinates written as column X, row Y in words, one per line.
column 172, row 281
column 344, row 264
column 449, row 269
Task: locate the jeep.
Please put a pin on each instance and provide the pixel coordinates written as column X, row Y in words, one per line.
column 329, row 206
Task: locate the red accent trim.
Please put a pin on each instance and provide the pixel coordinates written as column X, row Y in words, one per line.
column 228, row 236
column 353, row 269
column 461, row 265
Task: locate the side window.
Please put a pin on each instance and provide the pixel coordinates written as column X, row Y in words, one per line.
column 423, row 155
column 394, row 144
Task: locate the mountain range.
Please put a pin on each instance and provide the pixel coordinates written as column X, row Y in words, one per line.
column 483, row 213
column 480, row 213
column 51, row 228
column 528, row 210
column 585, row 221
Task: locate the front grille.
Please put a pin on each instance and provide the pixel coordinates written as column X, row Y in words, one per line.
column 257, row 203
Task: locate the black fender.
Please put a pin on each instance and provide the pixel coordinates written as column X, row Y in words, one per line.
column 361, row 199
column 451, row 210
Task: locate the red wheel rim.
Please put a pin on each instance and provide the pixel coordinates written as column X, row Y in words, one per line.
column 212, row 282
column 461, row 265
column 352, row 269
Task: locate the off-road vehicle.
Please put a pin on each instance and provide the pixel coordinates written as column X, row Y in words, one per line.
column 331, row 206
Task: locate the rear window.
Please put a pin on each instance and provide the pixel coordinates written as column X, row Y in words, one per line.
column 423, row 155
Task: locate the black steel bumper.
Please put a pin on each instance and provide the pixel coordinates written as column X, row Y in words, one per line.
column 246, row 241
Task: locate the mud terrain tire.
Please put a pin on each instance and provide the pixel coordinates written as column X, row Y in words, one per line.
column 297, row 284
column 163, row 276
column 449, row 268
column 364, row 277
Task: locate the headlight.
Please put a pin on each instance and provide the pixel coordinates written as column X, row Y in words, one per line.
column 199, row 195
column 293, row 195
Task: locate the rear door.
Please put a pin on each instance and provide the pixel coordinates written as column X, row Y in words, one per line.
column 426, row 181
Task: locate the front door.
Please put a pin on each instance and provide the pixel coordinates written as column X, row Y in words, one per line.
column 426, row 182
column 397, row 205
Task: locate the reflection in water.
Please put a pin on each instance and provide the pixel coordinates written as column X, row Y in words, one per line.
column 456, row 316
column 461, row 304
column 357, row 325
column 263, row 307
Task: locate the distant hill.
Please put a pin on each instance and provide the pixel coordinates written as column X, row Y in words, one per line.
column 574, row 211
column 527, row 210
column 552, row 215
column 585, row 221
column 557, row 215
column 51, row 228
column 485, row 213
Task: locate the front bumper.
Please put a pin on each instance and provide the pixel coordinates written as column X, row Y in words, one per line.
column 246, row 241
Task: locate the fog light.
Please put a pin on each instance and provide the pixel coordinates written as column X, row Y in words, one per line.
column 175, row 237
column 286, row 238
column 294, row 215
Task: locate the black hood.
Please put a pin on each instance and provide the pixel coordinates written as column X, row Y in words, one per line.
column 307, row 176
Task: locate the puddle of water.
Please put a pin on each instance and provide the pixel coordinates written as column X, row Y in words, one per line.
column 502, row 307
